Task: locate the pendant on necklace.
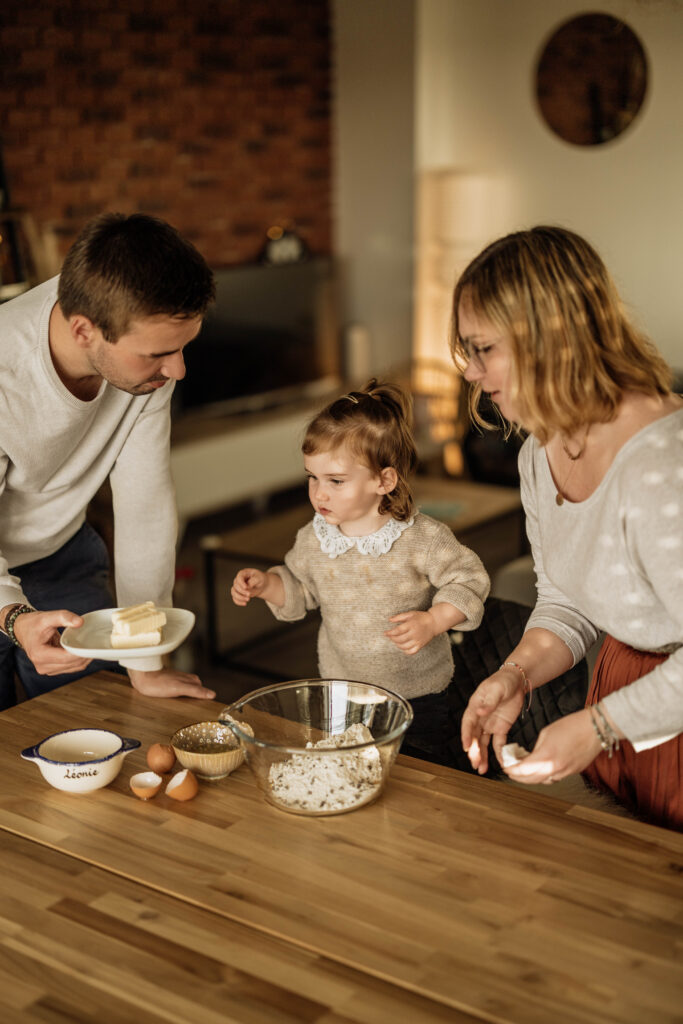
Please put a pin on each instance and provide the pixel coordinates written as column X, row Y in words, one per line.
column 559, row 500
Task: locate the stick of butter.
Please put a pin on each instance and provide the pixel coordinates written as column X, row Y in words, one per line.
column 150, row 639
column 139, row 618
column 121, row 614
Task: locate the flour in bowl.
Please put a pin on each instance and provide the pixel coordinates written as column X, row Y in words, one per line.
column 333, row 782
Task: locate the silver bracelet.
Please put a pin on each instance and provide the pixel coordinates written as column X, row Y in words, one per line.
column 610, row 735
column 609, row 741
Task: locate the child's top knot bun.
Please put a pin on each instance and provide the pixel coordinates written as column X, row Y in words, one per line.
column 371, row 390
column 374, row 423
column 391, row 395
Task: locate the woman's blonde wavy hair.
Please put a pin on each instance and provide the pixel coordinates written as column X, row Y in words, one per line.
column 374, row 425
column 574, row 350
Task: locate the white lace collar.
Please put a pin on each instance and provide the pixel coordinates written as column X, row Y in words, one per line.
column 333, row 542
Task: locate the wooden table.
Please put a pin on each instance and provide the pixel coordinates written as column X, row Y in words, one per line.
column 451, row 899
column 486, row 518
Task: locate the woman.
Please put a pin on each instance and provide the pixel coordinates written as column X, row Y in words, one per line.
column 539, row 327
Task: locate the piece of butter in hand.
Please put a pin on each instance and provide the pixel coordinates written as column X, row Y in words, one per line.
column 512, row 754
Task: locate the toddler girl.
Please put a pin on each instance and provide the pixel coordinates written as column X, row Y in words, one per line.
column 389, row 581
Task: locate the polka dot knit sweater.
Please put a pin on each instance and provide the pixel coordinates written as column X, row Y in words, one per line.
column 614, row 562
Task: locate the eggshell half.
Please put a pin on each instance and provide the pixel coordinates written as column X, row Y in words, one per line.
column 183, row 786
column 145, row 785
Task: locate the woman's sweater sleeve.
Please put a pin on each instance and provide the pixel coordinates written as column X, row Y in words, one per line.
column 649, row 711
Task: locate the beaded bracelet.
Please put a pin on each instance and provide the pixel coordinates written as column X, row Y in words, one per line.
column 12, row 615
column 10, row 609
column 526, row 685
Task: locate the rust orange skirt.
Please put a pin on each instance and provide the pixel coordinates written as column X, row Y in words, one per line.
column 650, row 784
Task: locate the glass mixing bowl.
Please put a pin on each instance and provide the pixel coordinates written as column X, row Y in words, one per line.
column 320, row 746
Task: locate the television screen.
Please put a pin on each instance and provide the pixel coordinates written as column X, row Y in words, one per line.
column 271, row 336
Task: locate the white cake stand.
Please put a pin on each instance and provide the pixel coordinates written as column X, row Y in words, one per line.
column 93, row 639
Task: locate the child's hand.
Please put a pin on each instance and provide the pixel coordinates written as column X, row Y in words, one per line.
column 248, row 583
column 415, row 631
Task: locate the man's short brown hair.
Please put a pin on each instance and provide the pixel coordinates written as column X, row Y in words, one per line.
column 125, row 268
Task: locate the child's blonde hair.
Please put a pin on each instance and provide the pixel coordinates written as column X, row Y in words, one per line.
column 375, row 425
column 574, row 350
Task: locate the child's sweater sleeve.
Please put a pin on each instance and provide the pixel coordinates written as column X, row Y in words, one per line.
column 458, row 575
column 301, row 594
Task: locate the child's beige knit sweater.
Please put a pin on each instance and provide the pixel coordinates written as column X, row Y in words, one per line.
column 358, row 593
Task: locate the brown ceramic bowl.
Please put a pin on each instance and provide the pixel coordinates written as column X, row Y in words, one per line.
column 209, row 749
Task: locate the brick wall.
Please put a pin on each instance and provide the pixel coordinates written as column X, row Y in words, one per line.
column 212, row 114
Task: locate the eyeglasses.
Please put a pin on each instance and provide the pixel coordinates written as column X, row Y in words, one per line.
column 477, row 355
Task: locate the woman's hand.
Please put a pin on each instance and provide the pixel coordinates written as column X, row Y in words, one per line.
column 414, row 631
column 492, row 709
column 564, row 747
column 168, row 683
column 38, row 634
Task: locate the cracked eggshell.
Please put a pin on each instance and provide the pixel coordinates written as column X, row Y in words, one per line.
column 145, row 785
column 183, row 786
column 513, row 753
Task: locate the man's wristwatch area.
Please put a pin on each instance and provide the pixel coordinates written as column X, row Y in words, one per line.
column 12, row 615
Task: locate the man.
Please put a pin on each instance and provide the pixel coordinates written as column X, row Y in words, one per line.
column 88, row 362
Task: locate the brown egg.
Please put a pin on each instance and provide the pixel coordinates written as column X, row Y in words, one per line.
column 161, row 757
column 183, row 786
column 145, row 785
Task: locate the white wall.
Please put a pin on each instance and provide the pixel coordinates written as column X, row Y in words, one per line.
column 476, row 113
column 373, row 139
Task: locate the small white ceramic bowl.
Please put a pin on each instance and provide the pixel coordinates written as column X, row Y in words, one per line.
column 80, row 760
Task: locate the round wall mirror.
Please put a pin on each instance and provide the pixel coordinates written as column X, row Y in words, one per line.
column 591, row 79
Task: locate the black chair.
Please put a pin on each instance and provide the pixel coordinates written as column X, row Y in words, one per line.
column 477, row 656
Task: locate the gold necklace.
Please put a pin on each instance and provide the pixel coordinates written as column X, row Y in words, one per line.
column 559, row 496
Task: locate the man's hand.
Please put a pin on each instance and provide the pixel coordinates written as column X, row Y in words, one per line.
column 38, row 634
column 168, row 683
